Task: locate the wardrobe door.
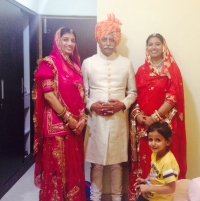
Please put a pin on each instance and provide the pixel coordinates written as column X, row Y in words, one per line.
column 11, row 95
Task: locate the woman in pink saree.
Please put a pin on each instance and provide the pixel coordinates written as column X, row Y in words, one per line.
column 160, row 98
column 59, row 119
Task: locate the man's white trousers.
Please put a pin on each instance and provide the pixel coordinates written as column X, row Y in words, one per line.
column 96, row 182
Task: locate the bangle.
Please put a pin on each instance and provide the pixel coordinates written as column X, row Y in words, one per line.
column 67, row 124
column 66, row 116
column 62, row 113
column 156, row 117
column 135, row 116
column 156, row 111
column 135, row 112
column 84, row 117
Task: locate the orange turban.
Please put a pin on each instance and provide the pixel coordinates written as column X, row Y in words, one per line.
column 111, row 25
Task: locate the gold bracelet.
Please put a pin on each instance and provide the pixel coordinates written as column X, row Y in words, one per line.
column 135, row 116
column 62, row 113
column 156, row 111
column 85, row 117
column 155, row 117
column 135, row 112
column 66, row 116
column 67, row 124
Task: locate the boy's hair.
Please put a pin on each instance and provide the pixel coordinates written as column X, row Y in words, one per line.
column 162, row 128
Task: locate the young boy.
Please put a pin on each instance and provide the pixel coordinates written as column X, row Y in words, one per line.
column 161, row 181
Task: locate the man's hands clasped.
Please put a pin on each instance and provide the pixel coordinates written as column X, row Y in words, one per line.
column 107, row 108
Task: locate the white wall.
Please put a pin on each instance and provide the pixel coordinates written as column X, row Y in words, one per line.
column 62, row 7
column 178, row 22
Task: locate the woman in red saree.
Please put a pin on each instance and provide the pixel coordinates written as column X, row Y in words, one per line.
column 160, row 98
column 58, row 122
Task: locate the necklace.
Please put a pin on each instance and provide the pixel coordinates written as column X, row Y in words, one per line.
column 158, row 65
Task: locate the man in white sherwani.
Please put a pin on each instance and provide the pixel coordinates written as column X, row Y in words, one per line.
column 109, row 82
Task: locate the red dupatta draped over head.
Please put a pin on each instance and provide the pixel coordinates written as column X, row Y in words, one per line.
column 171, row 69
column 61, row 54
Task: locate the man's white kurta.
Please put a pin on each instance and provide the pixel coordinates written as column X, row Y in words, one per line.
column 105, row 78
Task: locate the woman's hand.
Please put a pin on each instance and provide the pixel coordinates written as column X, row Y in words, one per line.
column 79, row 127
column 141, row 118
column 149, row 120
column 72, row 122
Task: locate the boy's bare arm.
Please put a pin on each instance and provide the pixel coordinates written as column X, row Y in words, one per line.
column 169, row 188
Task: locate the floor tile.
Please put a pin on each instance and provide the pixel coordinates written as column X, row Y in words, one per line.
column 25, row 190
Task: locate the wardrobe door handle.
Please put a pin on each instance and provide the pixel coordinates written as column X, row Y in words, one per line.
column 2, row 89
column 22, row 82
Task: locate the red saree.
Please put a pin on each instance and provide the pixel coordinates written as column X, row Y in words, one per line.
column 59, row 155
column 153, row 89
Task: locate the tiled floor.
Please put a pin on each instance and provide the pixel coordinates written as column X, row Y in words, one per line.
column 25, row 190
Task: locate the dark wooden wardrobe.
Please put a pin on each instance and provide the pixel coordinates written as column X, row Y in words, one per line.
column 14, row 103
column 11, row 91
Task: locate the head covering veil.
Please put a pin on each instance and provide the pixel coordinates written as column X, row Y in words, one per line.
column 171, row 69
column 73, row 60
